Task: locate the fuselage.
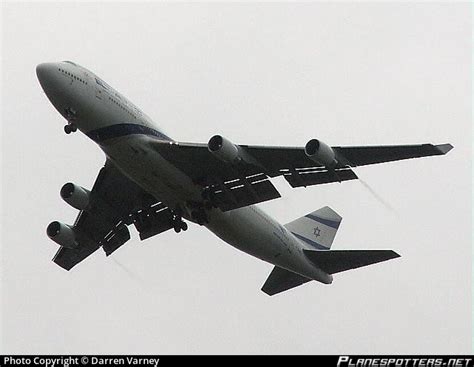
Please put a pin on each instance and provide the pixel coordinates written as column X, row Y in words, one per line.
column 126, row 134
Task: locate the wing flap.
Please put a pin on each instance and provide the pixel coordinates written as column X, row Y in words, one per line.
column 243, row 194
column 118, row 237
column 317, row 177
column 157, row 221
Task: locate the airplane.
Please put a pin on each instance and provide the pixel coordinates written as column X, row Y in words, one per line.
column 156, row 183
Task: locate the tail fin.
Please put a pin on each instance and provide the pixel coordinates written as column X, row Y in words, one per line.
column 317, row 229
column 337, row 261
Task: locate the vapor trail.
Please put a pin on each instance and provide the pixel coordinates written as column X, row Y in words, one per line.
column 130, row 273
column 378, row 197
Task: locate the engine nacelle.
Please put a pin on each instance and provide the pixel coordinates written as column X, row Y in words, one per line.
column 76, row 196
column 223, row 149
column 62, row 234
column 321, row 153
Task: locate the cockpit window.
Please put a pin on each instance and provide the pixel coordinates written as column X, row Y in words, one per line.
column 70, row 62
column 102, row 83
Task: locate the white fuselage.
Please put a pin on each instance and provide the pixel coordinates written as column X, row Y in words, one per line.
column 126, row 134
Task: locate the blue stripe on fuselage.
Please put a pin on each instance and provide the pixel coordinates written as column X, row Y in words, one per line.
column 118, row 130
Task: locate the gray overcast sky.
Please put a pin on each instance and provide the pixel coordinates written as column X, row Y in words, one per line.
column 279, row 74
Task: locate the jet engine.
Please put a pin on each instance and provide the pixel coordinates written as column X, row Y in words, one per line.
column 223, row 149
column 62, row 234
column 321, row 153
column 76, row 196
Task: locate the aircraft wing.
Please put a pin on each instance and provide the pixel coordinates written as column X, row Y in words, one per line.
column 115, row 202
column 361, row 156
column 246, row 181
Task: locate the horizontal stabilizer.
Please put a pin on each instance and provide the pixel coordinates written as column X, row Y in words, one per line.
column 341, row 260
column 281, row 280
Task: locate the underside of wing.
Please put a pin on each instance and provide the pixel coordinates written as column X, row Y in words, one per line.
column 360, row 156
column 66, row 258
column 114, row 203
column 228, row 185
column 234, row 175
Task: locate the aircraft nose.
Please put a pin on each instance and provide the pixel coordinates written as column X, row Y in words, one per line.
column 47, row 76
column 44, row 70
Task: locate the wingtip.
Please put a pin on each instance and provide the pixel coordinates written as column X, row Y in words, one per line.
column 444, row 148
column 395, row 255
column 267, row 292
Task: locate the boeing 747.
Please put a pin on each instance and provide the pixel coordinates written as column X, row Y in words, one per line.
column 156, row 183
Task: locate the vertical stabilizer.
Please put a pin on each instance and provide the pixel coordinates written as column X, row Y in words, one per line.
column 316, row 229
